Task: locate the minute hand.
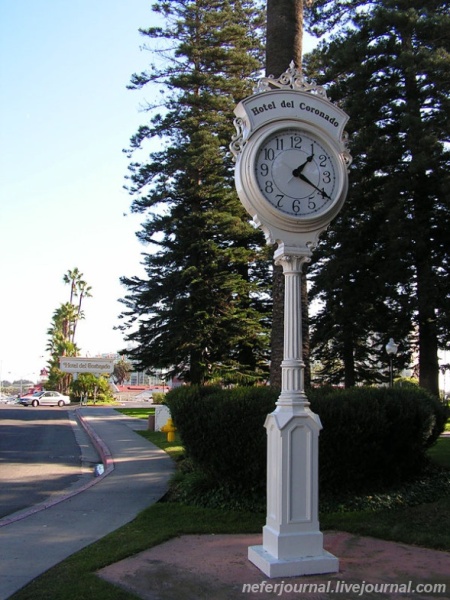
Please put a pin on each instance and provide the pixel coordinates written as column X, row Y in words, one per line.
column 306, row 180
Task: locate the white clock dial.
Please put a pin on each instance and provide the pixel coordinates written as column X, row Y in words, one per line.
column 297, row 173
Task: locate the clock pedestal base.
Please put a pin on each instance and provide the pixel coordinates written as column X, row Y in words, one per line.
column 294, row 567
column 292, row 542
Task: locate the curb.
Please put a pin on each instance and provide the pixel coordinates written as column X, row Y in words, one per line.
column 100, row 446
column 108, row 463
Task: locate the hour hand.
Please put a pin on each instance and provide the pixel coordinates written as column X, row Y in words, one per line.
column 321, row 191
column 296, row 172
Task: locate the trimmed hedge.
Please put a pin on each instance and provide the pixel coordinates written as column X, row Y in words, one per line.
column 371, row 436
column 223, row 430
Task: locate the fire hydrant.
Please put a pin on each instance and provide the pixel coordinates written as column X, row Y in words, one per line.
column 170, row 429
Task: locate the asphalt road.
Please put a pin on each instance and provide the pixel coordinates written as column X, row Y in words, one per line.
column 42, row 454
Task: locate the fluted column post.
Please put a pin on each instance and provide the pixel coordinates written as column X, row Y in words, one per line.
column 292, row 366
column 292, row 541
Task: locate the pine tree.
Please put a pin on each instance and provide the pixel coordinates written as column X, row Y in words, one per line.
column 389, row 62
column 202, row 310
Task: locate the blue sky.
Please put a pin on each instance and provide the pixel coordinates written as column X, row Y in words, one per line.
column 65, row 116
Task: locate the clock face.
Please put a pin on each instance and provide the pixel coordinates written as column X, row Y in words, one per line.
column 297, row 173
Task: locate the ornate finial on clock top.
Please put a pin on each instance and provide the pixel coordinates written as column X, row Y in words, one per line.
column 291, row 79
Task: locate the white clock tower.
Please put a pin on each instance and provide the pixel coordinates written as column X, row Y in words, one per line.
column 291, row 176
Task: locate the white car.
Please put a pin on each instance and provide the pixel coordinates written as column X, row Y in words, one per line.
column 47, row 398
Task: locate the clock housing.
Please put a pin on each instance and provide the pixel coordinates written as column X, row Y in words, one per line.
column 292, row 179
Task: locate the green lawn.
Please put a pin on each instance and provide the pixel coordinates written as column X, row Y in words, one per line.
column 173, row 449
column 425, row 525
column 440, row 453
column 138, row 413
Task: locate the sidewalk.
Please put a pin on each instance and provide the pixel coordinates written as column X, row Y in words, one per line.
column 136, row 475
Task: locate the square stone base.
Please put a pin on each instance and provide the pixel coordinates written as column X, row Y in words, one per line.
column 294, row 567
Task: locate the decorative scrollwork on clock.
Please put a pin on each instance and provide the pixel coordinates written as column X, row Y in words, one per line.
column 291, row 79
column 237, row 140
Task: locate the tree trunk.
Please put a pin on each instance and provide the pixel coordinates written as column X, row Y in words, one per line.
column 423, row 208
column 284, row 35
column 283, row 45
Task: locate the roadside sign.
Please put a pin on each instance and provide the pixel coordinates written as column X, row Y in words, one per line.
column 77, row 364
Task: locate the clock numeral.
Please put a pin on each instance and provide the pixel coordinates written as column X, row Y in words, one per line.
column 264, row 169
column 296, row 206
column 326, row 176
column 323, row 160
column 268, row 187
column 269, row 153
column 311, row 204
column 279, row 200
column 296, row 141
column 280, row 143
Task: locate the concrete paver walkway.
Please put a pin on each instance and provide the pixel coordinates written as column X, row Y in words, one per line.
column 216, row 567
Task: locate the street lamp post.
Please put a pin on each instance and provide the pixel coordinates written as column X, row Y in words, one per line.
column 391, row 349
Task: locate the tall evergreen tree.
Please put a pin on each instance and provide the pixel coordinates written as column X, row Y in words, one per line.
column 389, row 61
column 202, row 310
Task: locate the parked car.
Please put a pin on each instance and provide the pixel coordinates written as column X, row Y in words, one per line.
column 47, row 398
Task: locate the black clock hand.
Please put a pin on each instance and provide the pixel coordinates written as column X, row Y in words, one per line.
column 296, row 172
column 306, row 180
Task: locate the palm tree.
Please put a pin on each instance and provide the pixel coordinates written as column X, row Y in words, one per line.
column 78, row 289
column 73, row 278
column 63, row 321
column 122, row 370
column 60, row 344
column 84, row 292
